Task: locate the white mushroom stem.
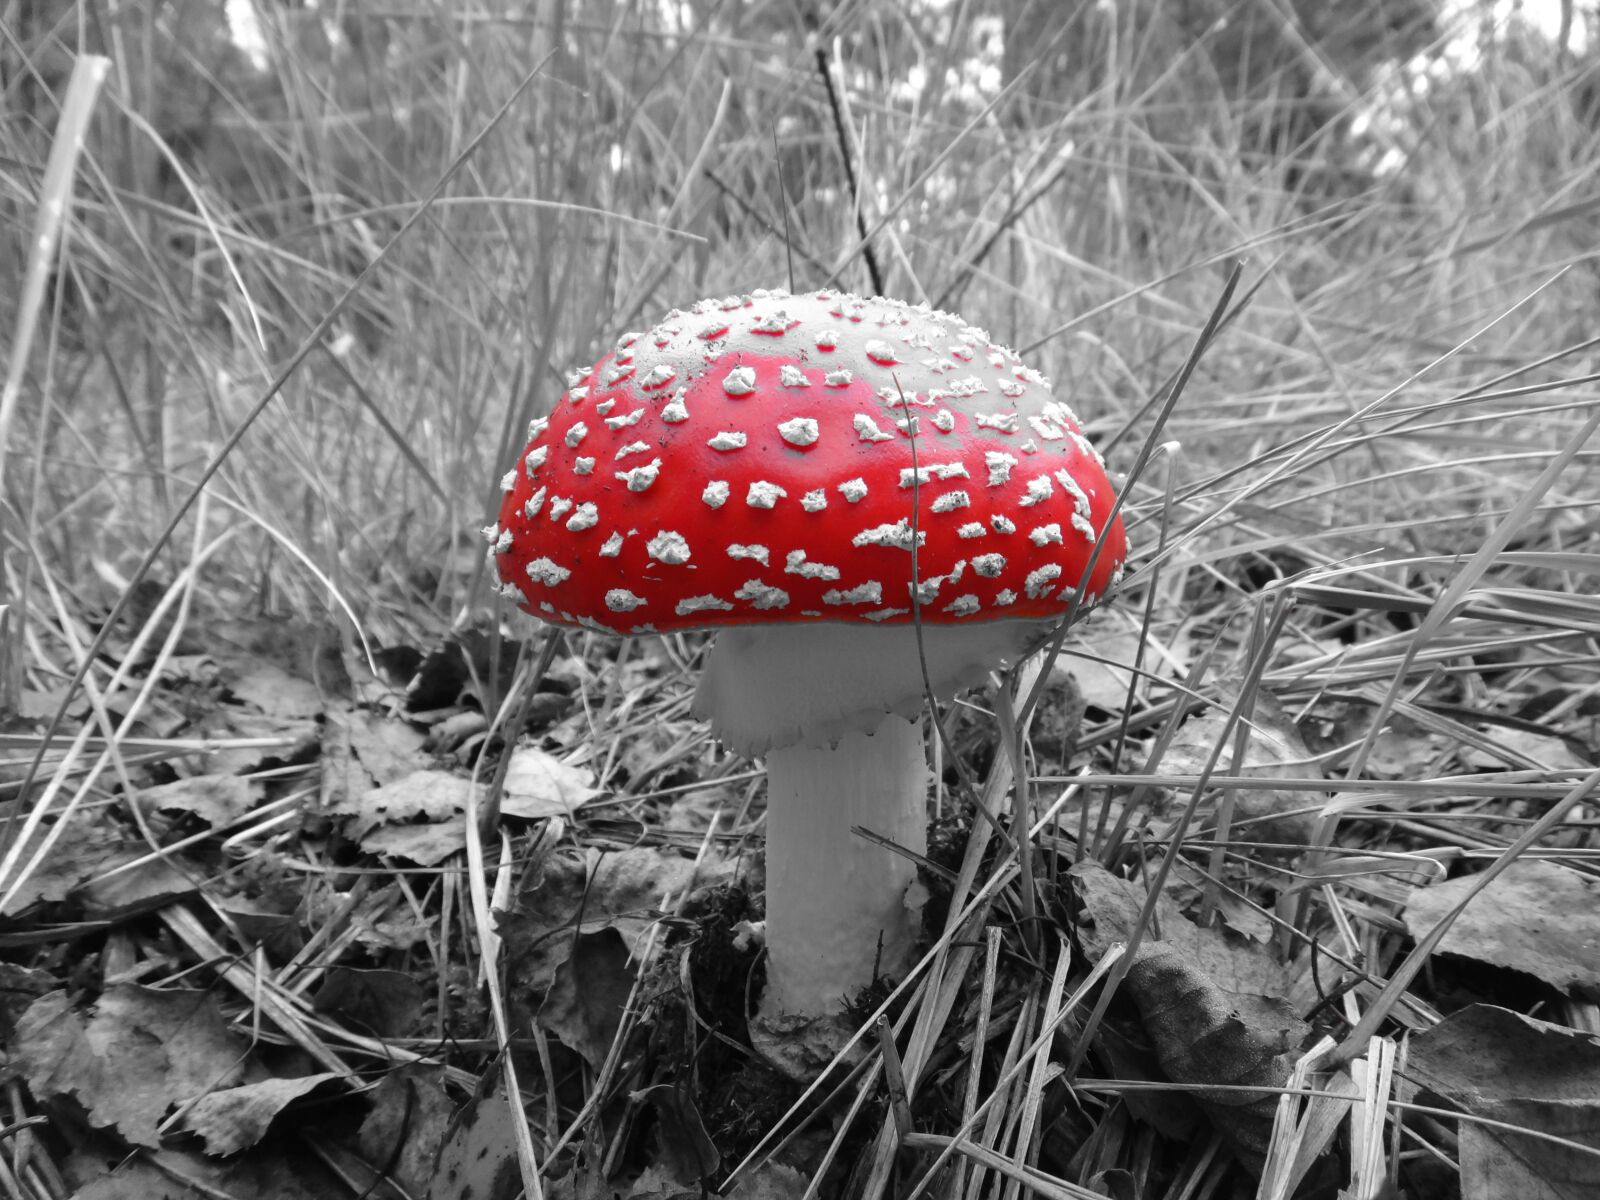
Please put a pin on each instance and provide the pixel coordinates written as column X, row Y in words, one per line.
column 839, row 906
column 834, row 710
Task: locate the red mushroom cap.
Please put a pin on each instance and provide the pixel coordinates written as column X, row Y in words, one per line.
column 751, row 461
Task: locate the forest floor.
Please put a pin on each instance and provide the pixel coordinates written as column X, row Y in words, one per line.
column 325, row 873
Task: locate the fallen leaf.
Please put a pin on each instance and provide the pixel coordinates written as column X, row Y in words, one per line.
column 1274, row 749
column 1498, row 1064
column 425, row 845
column 218, row 800
column 406, row 1127
column 372, row 999
column 142, row 1050
column 230, row 1119
column 479, row 1155
column 585, row 1003
column 1212, row 1006
column 1535, row 916
column 431, row 795
column 538, row 785
column 154, row 883
column 79, row 853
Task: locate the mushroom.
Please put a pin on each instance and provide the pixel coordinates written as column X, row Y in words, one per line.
column 815, row 476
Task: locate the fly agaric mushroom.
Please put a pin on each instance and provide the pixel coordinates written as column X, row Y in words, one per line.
column 809, row 475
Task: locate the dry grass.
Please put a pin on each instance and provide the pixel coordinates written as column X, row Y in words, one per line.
column 300, row 315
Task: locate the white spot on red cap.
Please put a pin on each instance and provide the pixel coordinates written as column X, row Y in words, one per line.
column 612, row 546
column 761, row 595
column 712, row 330
column 577, row 375
column 576, row 432
column 1003, row 523
column 774, row 324
column 534, row 504
column 668, row 546
column 792, row 376
column 796, row 564
column 884, row 614
column 881, row 352
column 618, row 373
column 927, row 590
column 640, row 478
column 838, row 379
column 578, row 395
column 951, row 501
column 537, row 426
column 741, row 381
column 715, row 493
column 870, row 592
column 963, row 606
column 989, row 565
column 763, row 494
column 999, row 464
column 854, row 490
column 582, row 466
column 1000, row 422
column 1005, row 596
column 827, row 339
column 632, row 448
column 1012, row 389
column 897, row 535
column 625, row 420
column 547, row 572
column 972, row 529
column 912, row 476
column 729, row 439
column 587, row 516
column 622, row 600
column 799, row 431
column 508, row 481
column 694, row 604
column 1046, row 535
column 559, row 506
column 536, row 459
column 757, row 552
column 1039, row 490
column 867, row 430
column 657, row 376
column 1046, row 431
column 509, row 591
column 815, row 500
column 944, row 421
column 1037, row 584
column 675, row 412
column 605, row 406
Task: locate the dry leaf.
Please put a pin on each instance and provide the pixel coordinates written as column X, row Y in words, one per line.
column 1274, row 749
column 142, row 1050
column 406, row 1127
column 539, row 785
column 230, row 1119
column 1498, row 1064
column 218, row 800
column 1212, row 1006
column 479, row 1156
column 1535, row 917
